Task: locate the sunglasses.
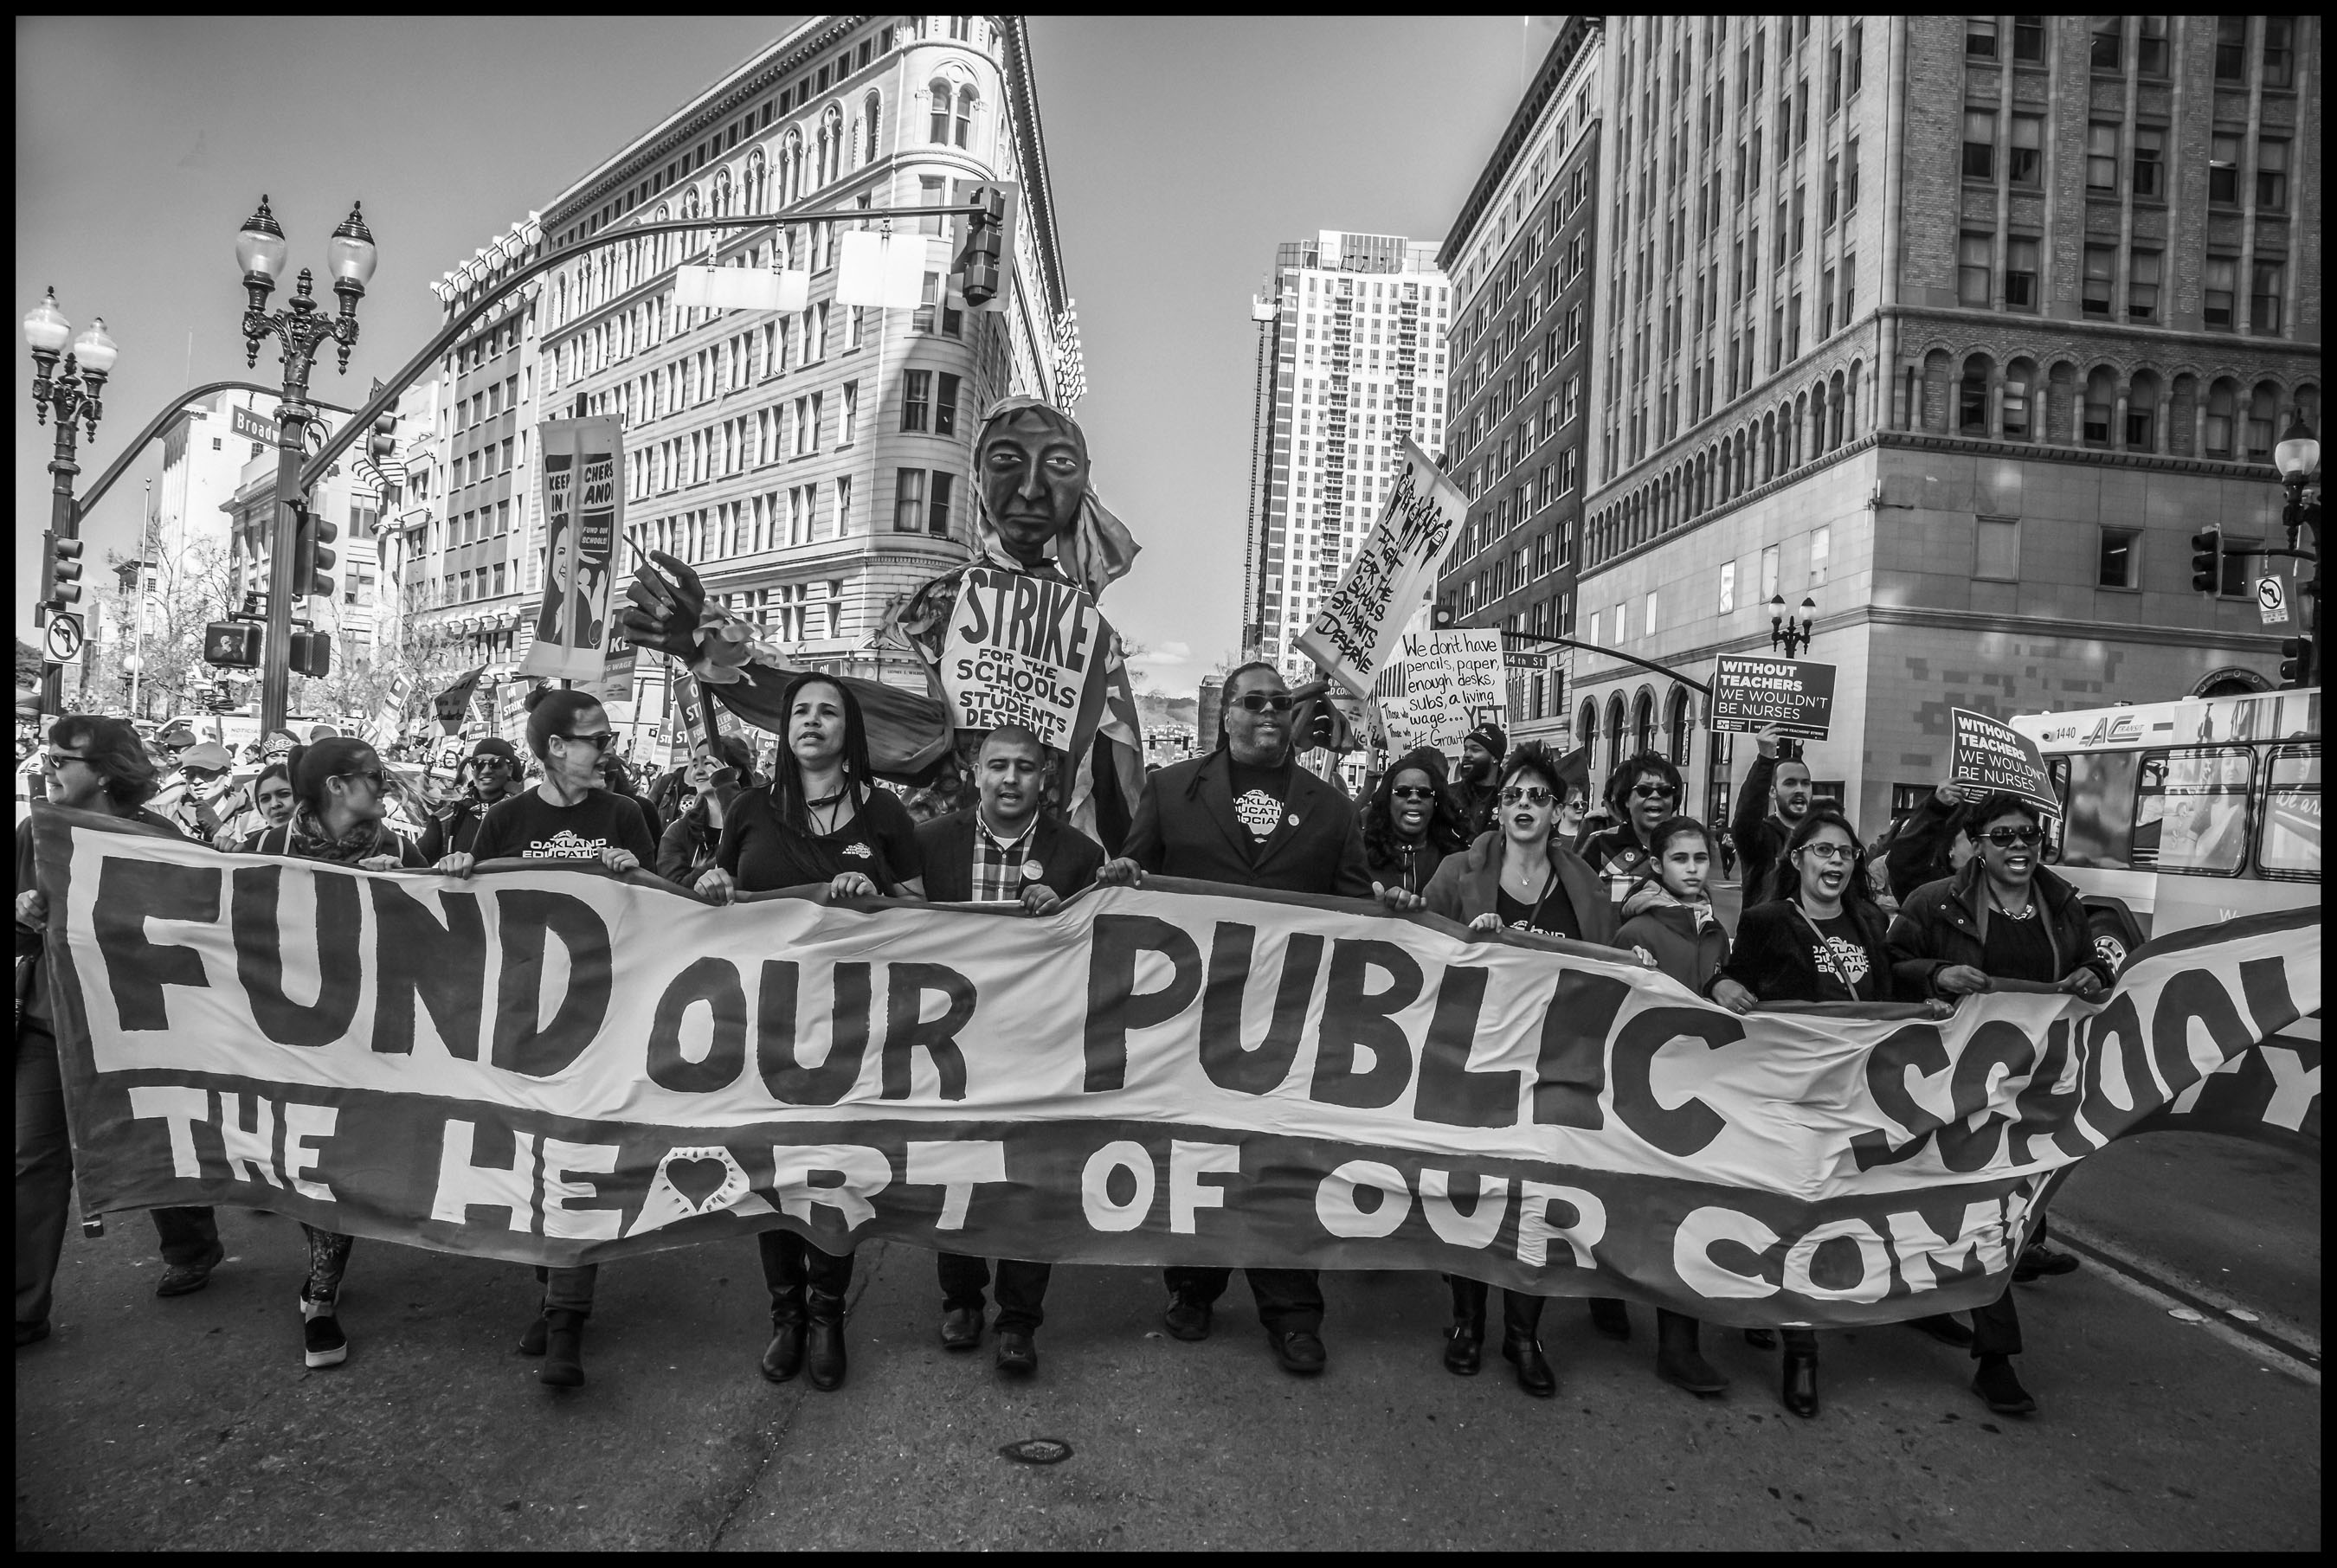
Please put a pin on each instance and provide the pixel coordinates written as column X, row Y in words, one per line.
column 1655, row 792
column 1533, row 794
column 1412, row 793
column 495, row 760
column 1263, row 701
column 371, row 775
column 2005, row 838
column 597, row 741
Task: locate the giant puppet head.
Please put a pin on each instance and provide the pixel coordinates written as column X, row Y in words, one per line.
column 1031, row 476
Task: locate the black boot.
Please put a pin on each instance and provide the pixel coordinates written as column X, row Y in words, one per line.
column 1520, row 1316
column 1800, row 1390
column 783, row 1357
column 1465, row 1340
column 1678, row 1359
column 824, row 1340
column 1610, row 1318
column 563, row 1348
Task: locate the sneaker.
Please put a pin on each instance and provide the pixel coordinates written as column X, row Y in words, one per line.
column 327, row 1345
column 2038, row 1260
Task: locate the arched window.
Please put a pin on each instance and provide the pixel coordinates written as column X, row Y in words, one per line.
column 2101, row 405
column 940, row 98
column 1972, row 397
column 2019, row 400
column 962, row 128
column 1676, row 729
column 758, row 182
column 2142, row 421
column 870, row 107
column 1643, row 722
column 1586, row 723
column 831, row 144
column 791, row 169
column 723, row 194
column 1614, row 732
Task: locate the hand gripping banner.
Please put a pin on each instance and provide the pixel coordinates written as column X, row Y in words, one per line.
column 562, row 1067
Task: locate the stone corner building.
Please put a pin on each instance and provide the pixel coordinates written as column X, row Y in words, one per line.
column 1958, row 327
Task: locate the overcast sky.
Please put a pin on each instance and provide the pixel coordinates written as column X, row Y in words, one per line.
column 1182, row 150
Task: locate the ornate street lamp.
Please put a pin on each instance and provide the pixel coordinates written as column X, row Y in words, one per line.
column 1791, row 633
column 262, row 251
column 73, row 392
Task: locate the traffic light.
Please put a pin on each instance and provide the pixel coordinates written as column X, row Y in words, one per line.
column 60, row 570
column 1443, row 616
column 312, row 558
column 311, row 653
column 231, row 644
column 989, row 229
column 2208, row 561
column 2296, row 661
column 381, row 446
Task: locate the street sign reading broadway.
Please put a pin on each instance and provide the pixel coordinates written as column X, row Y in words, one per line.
column 1750, row 693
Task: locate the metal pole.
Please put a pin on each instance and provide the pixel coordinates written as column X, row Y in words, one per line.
column 275, row 668
column 66, row 523
column 1663, row 669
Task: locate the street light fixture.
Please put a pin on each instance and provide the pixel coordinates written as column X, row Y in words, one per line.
column 73, row 390
column 1792, row 633
column 262, row 251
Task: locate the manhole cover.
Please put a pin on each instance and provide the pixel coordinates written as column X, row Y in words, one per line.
column 1038, row 1451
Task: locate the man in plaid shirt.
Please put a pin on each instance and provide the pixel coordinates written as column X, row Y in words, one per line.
column 1004, row 849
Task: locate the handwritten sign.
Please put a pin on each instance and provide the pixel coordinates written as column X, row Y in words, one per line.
column 1451, row 679
column 1750, row 693
column 1019, row 651
column 1354, row 634
column 1988, row 755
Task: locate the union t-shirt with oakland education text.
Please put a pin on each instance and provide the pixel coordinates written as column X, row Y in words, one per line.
column 526, row 826
column 1261, row 800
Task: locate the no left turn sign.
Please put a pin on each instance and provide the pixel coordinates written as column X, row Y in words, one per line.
column 2272, row 600
column 62, row 639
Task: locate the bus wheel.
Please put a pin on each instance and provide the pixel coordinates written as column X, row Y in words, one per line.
column 2109, row 941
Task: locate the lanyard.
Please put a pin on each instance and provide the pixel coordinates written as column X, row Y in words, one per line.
column 1826, row 951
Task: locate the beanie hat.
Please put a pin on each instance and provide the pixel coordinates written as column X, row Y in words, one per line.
column 1491, row 735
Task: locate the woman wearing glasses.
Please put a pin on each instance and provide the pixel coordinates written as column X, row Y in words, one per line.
column 824, row 821
column 567, row 817
column 339, row 797
column 2002, row 917
column 1411, row 823
column 1519, row 875
column 1821, row 940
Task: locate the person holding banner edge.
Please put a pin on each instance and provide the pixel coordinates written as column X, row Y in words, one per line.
column 1518, row 876
column 1247, row 816
column 567, row 817
column 1411, row 823
column 822, row 821
column 1006, row 848
column 2003, row 922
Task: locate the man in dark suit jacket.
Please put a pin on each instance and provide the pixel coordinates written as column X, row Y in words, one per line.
column 1246, row 815
column 1002, row 849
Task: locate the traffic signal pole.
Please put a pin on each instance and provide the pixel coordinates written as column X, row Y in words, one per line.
column 275, row 666
column 65, row 523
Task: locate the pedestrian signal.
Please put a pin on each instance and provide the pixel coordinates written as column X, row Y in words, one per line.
column 2296, row 661
column 2207, row 561
column 1443, row 616
column 312, row 653
column 231, row 644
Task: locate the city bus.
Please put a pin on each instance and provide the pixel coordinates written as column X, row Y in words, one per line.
column 2184, row 813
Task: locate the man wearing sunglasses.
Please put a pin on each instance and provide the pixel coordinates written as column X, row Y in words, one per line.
column 1644, row 792
column 2003, row 922
column 493, row 777
column 1246, row 815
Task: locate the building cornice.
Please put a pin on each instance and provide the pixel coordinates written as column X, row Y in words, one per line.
column 1030, row 157
column 1571, row 38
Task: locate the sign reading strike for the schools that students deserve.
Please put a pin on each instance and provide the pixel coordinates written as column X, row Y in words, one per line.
column 584, row 513
column 1450, row 679
column 1020, row 650
column 1750, row 693
column 1988, row 754
column 559, row 1067
column 1354, row 635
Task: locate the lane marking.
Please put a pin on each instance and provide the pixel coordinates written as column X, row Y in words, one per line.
column 2289, row 1348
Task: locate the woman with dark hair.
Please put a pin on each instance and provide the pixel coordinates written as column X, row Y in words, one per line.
column 567, row 817
column 271, row 798
column 823, row 820
column 90, row 764
column 1410, row 823
column 1821, row 940
column 713, row 778
column 339, row 795
column 1518, row 875
column 1644, row 792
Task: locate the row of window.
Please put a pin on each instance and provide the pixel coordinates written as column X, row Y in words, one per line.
column 2145, row 278
column 482, row 583
column 2143, row 413
column 2151, row 50
column 2024, row 160
column 792, row 612
column 776, row 520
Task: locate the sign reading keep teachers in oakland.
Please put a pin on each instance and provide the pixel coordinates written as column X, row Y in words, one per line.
column 1750, row 693
column 558, row 1067
column 1354, row 635
column 1988, row 754
column 1019, row 651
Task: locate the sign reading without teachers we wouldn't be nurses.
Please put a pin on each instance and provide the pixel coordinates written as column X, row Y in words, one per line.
column 1750, row 693
column 1988, row 755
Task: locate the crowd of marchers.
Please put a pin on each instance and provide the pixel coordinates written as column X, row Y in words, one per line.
column 1956, row 902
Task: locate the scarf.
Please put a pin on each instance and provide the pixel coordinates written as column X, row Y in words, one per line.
column 310, row 842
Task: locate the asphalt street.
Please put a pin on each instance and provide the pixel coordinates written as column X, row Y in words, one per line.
column 148, row 1423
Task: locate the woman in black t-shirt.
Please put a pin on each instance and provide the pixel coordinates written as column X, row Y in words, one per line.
column 823, row 821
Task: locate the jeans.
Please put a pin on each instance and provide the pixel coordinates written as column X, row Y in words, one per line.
column 790, row 1263
column 567, row 1290
column 1022, row 1289
column 1288, row 1300
column 45, row 1186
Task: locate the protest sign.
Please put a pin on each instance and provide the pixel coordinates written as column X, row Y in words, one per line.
column 583, row 512
column 453, row 706
column 1987, row 753
column 561, row 1066
column 1750, row 693
column 1020, row 650
column 1354, row 635
column 388, row 725
column 1451, row 679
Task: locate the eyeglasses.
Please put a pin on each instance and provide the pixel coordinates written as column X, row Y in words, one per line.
column 1830, row 851
column 371, row 775
column 53, row 760
column 1533, row 794
column 1412, row 793
column 597, row 741
column 1655, row 792
column 2005, row 838
column 1263, row 701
